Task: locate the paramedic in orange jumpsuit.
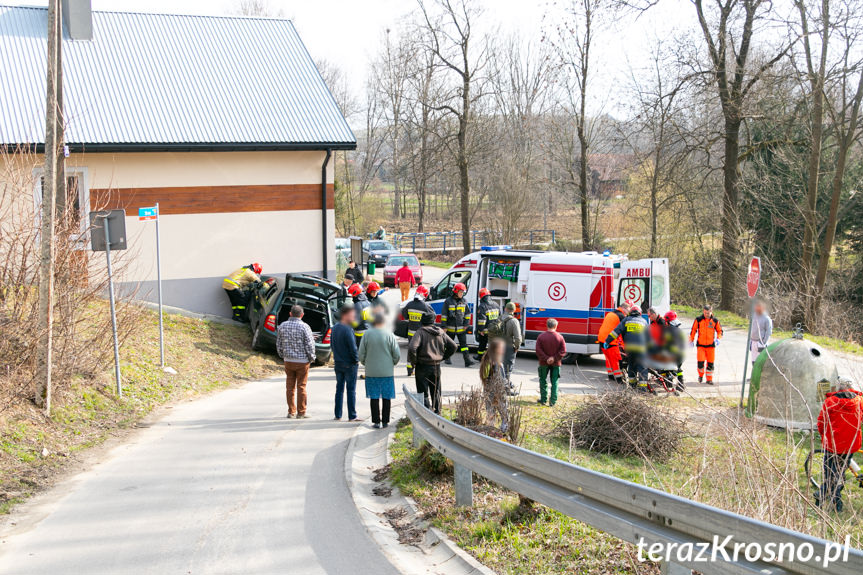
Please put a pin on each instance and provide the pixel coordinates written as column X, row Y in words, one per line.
column 612, row 352
column 705, row 335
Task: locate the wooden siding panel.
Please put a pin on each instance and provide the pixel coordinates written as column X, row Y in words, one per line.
column 214, row 199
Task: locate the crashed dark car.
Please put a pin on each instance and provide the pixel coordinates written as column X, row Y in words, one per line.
column 271, row 304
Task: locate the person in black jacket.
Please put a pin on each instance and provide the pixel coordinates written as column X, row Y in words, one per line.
column 675, row 344
column 635, row 332
column 487, row 314
column 413, row 312
column 428, row 347
column 455, row 319
column 354, row 272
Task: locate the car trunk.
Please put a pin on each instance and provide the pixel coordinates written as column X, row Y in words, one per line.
column 314, row 314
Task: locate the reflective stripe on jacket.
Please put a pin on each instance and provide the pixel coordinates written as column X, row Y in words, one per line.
column 240, row 278
column 611, row 321
column 455, row 316
column 707, row 329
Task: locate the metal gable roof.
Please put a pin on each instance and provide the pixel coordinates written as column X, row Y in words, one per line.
column 152, row 81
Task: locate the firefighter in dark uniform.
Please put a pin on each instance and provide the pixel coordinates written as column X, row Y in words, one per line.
column 455, row 319
column 239, row 287
column 363, row 310
column 487, row 313
column 413, row 312
column 635, row 332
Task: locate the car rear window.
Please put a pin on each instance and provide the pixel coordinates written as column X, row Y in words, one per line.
column 400, row 260
column 311, row 286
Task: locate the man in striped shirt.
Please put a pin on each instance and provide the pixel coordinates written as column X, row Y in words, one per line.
column 296, row 346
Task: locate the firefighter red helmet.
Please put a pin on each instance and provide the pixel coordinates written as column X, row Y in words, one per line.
column 635, row 310
column 422, row 291
column 355, row 290
column 256, row 267
column 483, row 292
column 671, row 315
column 458, row 287
column 373, row 286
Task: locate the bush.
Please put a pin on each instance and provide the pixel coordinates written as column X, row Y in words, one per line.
column 622, row 423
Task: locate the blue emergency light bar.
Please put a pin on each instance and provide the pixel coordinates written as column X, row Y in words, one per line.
column 494, row 248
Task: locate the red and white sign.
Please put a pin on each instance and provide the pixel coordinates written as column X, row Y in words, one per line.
column 557, row 291
column 632, row 293
column 753, row 276
column 638, row 273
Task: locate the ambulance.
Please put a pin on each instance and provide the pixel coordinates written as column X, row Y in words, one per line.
column 577, row 289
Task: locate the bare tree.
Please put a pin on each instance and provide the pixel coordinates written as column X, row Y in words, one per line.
column 845, row 118
column 728, row 31
column 573, row 39
column 261, row 8
column 451, row 39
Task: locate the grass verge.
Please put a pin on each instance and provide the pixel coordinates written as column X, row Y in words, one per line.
column 709, row 467
column 728, row 318
column 434, row 264
column 207, row 356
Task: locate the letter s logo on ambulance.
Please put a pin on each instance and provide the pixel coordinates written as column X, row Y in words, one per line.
column 638, row 273
column 557, row 291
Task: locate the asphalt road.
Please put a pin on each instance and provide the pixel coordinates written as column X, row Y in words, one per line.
column 225, row 484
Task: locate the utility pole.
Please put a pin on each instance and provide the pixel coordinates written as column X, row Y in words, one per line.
column 53, row 187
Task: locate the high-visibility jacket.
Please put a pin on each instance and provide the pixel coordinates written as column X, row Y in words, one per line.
column 707, row 330
column 611, row 320
column 240, row 279
column 635, row 333
column 486, row 312
column 413, row 312
column 364, row 315
column 455, row 315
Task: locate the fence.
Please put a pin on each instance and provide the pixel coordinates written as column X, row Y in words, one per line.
column 626, row 510
column 444, row 241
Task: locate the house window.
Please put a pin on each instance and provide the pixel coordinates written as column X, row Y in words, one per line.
column 73, row 209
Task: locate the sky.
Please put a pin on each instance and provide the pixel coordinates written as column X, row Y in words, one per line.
column 349, row 32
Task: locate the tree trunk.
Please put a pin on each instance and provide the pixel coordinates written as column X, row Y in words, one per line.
column 584, row 195
column 845, row 143
column 464, row 176
column 730, row 256
column 654, row 209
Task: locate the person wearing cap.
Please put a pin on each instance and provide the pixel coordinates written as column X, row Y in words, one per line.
column 429, row 346
column 511, row 334
column 413, row 312
column 344, row 346
column 238, row 286
column 487, row 316
column 354, row 272
column 839, row 424
column 635, row 333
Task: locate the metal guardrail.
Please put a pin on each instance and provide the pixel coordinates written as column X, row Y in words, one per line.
column 631, row 512
column 444, row 241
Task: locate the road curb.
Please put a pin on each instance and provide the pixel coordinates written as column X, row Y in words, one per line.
column 434, row 553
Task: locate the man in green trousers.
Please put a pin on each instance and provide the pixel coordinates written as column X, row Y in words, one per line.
column 550, row 349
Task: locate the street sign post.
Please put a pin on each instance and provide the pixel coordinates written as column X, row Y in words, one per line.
column 113, row 226
column 753, row 281
column 146, row 215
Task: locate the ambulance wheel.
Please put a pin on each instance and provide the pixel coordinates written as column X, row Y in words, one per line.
column 570, row 359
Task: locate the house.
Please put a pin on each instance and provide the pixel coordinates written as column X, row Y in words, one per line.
column 609, row 174
column 224, row 121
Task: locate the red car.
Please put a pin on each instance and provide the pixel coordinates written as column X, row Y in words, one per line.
column 395, row 261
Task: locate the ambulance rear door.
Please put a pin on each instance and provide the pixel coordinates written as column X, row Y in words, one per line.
column 645, row 283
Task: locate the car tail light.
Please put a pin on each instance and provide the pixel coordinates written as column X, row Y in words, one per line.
column 270, row 323
column 327, row 336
